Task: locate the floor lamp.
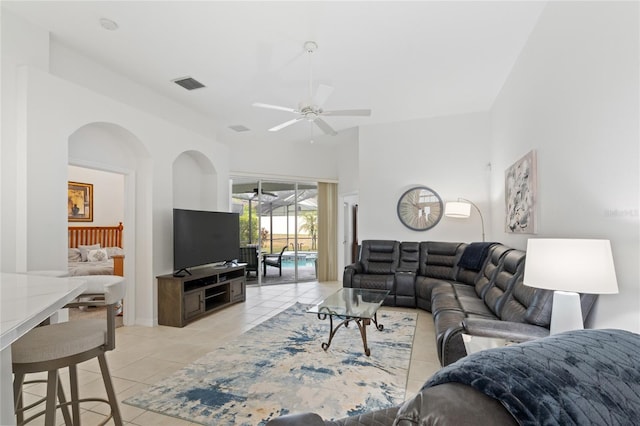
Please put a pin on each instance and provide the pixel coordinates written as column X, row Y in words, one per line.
column 462, row 209
column 569, row 267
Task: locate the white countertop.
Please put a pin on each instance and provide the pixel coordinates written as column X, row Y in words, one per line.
column 26, row 301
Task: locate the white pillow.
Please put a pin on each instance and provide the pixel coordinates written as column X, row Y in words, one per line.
column 84, row 250
column 97, row 255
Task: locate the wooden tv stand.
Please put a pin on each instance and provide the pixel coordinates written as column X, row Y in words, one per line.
column 182, row 300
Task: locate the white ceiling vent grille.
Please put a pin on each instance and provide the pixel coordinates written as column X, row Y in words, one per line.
column 188, row 83
column 239, row 128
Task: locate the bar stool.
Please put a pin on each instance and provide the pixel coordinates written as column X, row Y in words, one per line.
column 52, row 347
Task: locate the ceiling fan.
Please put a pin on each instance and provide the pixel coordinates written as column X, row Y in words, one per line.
column 311, row 110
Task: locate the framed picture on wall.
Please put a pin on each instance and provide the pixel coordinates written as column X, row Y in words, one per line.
column 520, row 195
column 80, row 202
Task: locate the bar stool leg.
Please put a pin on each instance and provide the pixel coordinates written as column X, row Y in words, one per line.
column 108, row 385
column 75, row 404
column 18, row 382
column 52, row 390
column 63, row 406
column 18, row 379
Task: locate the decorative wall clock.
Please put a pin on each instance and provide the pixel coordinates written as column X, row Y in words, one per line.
column 420, row 208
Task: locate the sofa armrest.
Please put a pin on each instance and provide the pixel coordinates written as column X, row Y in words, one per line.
column 453, row 348
column 349, row 272
column 514, row 331
column 307, row 419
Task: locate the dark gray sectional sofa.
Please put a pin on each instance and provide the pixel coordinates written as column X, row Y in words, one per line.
column 474, row 289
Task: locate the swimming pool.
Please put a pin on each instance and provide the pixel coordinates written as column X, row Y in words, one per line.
column 305, row 258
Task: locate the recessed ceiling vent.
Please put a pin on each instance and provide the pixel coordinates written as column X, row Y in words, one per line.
column 239, row 128
column 188, row 83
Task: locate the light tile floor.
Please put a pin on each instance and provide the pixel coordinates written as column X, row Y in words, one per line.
column 145, row 355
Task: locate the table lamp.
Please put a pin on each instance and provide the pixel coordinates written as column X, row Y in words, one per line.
column 462, row 209
column 569, row 267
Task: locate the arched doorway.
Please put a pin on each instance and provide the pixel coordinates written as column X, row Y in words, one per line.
column 111, row 148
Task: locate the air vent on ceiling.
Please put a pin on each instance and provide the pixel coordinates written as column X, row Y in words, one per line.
column 188, row 83
column 239, row 128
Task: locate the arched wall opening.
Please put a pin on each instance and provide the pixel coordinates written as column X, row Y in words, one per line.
column 111, row 148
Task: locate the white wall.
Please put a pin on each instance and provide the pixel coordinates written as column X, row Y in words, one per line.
column 447, row 154
column 69, row 65
column 42, row 112
column 573, row 97
column 108, row 195
column 300, row 160
column 348, row 161
column 32, row 49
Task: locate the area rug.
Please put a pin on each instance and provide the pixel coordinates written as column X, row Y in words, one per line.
column 279, row 367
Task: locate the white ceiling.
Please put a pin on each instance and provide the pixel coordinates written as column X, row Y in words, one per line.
column 403, row 60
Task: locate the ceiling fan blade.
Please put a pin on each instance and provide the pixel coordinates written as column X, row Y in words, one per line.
column 353, row 112
column 322, row 94
column 268, row 106
column 285, row 124
column 325, row 127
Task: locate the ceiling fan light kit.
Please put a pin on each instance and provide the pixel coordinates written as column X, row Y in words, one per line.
column 311, row 110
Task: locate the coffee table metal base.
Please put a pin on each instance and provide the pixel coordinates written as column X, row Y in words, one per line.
column 362, row 326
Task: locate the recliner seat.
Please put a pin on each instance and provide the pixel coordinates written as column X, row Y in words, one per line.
column 379, row 260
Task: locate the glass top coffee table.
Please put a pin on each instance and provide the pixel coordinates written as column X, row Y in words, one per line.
column 351, row 304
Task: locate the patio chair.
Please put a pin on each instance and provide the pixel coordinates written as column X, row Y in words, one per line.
column 249, row 255
column 274, row 260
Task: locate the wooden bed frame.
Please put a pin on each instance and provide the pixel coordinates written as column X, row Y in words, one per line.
column 106, row 236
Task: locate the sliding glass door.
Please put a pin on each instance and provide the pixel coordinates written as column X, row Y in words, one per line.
column 279, row 220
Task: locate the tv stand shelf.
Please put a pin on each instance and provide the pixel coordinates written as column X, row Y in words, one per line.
column 182, row 300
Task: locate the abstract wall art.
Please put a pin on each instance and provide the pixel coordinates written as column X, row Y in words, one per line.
column 520, row 195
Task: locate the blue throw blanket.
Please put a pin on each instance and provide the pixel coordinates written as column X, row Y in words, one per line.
column 583, row 377
column 473, row 256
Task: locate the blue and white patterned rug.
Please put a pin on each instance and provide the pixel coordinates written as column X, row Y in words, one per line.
column 279, row 367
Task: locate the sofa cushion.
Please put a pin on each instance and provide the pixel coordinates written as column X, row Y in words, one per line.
column 439, row 259
column 483, row 280
column 511, row 268
column 467, row 276
column 424, row 288
column 528, row 304
column 453, row 289
column 409, row 256
column 373, row 282
column 474, row 306
column 380, row 256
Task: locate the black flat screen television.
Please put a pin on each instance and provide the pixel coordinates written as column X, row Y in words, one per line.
column 204, row 237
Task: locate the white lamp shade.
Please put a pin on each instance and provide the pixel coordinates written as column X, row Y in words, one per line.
column 457, row 209
column 577, row 265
